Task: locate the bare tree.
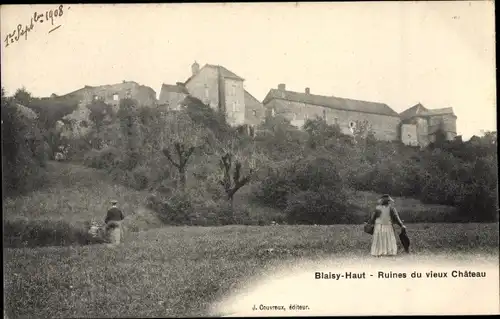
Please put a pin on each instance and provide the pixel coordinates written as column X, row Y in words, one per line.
column 181, row 138
column 232, row 160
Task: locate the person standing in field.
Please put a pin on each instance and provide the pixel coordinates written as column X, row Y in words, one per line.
column 383, row 218
column 113, row 221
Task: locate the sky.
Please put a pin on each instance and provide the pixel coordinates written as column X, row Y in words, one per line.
column 440, row 54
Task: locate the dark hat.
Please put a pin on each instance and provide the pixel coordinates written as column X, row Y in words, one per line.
column 387, row 196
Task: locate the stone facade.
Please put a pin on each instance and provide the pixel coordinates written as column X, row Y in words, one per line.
column 222, row 90
column 416, row 126
column 427, row 122
column 78, row 121
column 298, row 107
column 172, row 96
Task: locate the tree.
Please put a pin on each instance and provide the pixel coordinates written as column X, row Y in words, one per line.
column 98, row 112
column 23, row 148
column 23, row 97
column 130, row 127
column 232, row 158
column 320, row 132
column 181, row 138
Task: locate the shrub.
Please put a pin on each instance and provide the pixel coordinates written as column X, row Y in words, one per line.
column 318, row 207
column 21, row 233
column 106, row 158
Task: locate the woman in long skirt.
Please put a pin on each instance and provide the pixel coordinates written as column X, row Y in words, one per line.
column 384, row 239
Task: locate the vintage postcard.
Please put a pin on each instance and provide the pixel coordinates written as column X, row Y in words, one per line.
column 249, row 159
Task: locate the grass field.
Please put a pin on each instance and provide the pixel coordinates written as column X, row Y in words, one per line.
column 182, row 271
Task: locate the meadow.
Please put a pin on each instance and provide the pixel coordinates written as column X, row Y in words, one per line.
column 166, row 271
column 182, row 271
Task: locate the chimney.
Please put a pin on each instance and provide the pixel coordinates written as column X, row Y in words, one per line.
column 282, row 87
column 195, row 68
column 308, row 91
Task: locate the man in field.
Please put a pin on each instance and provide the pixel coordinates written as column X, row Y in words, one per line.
column 113, row 221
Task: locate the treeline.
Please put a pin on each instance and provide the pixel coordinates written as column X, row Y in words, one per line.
column 195, row 165
column 455, row 173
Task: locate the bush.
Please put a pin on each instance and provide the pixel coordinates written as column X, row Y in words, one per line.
column 21, row 233
column 106, row 158
column 318, row 207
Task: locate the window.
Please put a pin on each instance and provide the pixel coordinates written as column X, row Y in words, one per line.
column 254, row 112
column 324, row 115
column 294, row 116
column 306, row 116
column 234, row 106
column 206, row 91
column 233, row 90
column 336, row 121
column 95, row 97
column 115, row 97
column 273, row 112
column 129, row 93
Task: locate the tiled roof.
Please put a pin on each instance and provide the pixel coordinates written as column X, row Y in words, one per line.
column 412, row 111
column 223, row 72
column 332, row 102
column 420, row 110
column 173, row 88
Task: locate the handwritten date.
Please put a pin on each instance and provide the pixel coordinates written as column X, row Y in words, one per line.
column 23, row 30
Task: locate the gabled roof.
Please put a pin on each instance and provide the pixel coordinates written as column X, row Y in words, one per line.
column 173, row 88
column 225, row 73
column 251, row 97
column 420, row 110
column 412, row 111
column 332, row 102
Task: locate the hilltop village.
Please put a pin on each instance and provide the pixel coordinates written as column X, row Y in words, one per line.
column 221, row 88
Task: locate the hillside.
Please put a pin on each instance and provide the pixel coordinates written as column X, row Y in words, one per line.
column 77, row 194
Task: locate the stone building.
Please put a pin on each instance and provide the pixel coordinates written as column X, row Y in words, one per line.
column 219, row 88
column 297, row 107
column 111, row 95
column 416, row 126
column 419, row 124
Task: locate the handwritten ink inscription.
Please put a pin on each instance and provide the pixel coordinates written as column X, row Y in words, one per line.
column 38, row 18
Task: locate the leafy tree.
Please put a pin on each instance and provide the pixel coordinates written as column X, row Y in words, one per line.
column 23, row 97
column 98, row 112
column 23, row 148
